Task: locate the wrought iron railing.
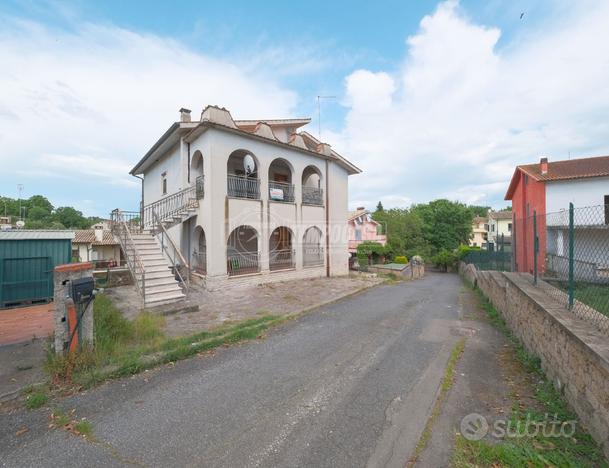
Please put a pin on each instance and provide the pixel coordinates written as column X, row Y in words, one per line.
column 242, row 263
column 169, row 207
column 243, row 187
column 122, row 224
column 281, row 191
column 173, row 253
column 200, row 187
column 312, row 196
column 313, row 255
column 281, row 259
column 199, row 262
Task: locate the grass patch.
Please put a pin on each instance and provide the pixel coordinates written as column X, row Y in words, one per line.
column 580, row 450
column 84, row 428
column 447, row 382
column 35, row 398
column 124, row 347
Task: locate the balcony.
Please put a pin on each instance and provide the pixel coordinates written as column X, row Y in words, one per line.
column 312, row 196
column 243, row 187
column 281, row 192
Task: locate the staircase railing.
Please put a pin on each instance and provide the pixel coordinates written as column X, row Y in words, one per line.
column 172, row 251
column 168, row 207
column 122, row 224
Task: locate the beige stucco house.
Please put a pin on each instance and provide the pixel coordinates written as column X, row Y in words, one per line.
column 479, row 232
column 96, row 245
column 244, row 201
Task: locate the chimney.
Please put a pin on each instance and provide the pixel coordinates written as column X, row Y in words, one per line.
column 184, row 115
column 543, row 164
column 360, row 208
column 99, row 232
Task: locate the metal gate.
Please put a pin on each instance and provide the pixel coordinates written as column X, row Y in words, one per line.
column 26, row 279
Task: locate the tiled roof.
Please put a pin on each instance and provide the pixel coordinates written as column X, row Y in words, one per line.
column 480, row 219
column 570, row 169
column 87, row 236
column 500, row 214
column 356, row 213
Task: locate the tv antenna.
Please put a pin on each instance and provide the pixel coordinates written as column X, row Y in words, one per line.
column 319, row 98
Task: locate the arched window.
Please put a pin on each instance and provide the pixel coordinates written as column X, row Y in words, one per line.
column 281, row 187
column 242, row 170
column 312, row 193
column 313, row 252
column 197, row 172
column 242, row 251
column 281, row 252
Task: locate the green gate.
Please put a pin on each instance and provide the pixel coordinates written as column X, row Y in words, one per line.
column 27, row 260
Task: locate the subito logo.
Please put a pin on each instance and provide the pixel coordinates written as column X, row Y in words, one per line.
column 474, row 426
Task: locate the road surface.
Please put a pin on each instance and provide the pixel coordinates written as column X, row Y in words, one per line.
column 348, row 385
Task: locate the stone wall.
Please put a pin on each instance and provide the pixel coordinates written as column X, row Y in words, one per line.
column 574, row 353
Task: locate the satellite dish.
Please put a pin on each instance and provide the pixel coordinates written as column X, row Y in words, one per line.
column 20, row 224
column 249, row 164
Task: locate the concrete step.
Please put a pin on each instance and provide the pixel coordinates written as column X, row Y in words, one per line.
column 155, row 263
column 156, row 269
column 150, row 275
column 148, row 248
column 163, row 288
column 159, row 281
column 165, row 298
column 151, row 255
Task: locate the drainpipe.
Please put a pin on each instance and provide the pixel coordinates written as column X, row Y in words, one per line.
column 327, row 224
column 188, row 162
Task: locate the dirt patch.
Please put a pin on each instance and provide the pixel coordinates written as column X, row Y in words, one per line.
column 220, row 307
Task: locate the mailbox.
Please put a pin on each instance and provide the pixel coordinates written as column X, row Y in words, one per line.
column 82, row 289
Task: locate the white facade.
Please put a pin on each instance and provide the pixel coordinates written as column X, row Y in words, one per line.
column 281, row 235
column 582, row 193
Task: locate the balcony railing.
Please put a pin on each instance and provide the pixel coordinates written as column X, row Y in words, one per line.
column 243, row 263
column 281, row 192
column 243, row 187
column 168, row 207
column 312, row 255
column 312, row 196
column 281, row 259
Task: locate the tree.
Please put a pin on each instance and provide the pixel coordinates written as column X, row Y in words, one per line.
column 479, row 210
column 404, row 231
column 446, row 224
column 71, row 218
column 379, row 207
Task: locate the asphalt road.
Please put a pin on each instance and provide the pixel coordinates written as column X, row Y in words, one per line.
column 348, row 385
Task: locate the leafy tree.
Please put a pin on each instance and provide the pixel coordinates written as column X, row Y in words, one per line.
column 379, row 207
column 445, row 259
column 40, row 202
column 479, row 210
column 404, row 231
column 446, row 224
column 71, row 218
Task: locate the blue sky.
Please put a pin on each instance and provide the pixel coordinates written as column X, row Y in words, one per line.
column 434, row 99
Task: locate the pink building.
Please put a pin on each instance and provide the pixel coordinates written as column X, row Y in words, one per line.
column 362, row 228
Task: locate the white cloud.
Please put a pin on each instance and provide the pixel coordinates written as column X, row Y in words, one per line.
column 88, row 102
column 456, row 116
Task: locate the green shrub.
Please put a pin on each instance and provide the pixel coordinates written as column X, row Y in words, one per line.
column 401, row 259
column 445, row 259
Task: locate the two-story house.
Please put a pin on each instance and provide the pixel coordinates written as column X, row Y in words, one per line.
column 479, row 232
column 361, row 227
column 544, row 191
column 499, row 230
column 237, row 201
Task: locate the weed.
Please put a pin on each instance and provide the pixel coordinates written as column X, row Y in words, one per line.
column 84, row 427
column 36, row 399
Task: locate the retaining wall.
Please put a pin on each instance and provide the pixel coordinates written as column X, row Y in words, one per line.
column 574, row 353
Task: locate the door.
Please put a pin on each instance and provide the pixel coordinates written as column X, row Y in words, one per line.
column 26, row 279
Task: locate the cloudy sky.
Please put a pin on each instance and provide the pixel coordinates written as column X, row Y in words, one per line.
column 433, row 99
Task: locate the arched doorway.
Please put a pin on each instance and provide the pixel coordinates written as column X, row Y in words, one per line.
column 242, row 251
column 313, row 252
column 281, row 254
column 312, row 193
column 199, row 254
column 242, row 173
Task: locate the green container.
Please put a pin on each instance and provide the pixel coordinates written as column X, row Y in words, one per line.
column 27, row 260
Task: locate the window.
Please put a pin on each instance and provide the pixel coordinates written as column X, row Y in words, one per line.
column 164, row 183
column 358, row 234
column 510, row 227
column 492, row 228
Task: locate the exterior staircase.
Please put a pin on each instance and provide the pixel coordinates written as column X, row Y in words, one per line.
column 160, row 271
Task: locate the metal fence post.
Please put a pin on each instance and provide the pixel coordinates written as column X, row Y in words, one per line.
column 571, row 256
column 535, row 247
column 514, row 246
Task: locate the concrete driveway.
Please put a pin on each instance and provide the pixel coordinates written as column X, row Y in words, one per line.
column 349, row 385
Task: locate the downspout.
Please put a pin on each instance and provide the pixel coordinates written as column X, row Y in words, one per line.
column 188, row 162
column 327, row 223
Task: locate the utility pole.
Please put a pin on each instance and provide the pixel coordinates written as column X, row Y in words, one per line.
column 20, row 189
column 319, row 98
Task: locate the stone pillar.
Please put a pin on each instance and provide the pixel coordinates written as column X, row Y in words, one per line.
column 62, row 276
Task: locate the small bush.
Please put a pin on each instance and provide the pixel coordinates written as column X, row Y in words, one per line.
column 401, row 259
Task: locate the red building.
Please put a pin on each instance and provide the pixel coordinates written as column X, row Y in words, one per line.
column 549, row 187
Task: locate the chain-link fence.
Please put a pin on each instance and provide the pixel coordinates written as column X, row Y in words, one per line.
column 569, row 252
column 499, row 259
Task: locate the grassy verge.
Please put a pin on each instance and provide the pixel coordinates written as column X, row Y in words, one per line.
column 579, row 450
column 447, row 382
column 124, row 347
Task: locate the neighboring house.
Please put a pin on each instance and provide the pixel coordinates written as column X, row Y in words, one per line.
column 500, row 230
column 248, row 199
column 361, row 227
column 549, row 187
column 5, row 223
column 96, row 245
column 479, row 232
